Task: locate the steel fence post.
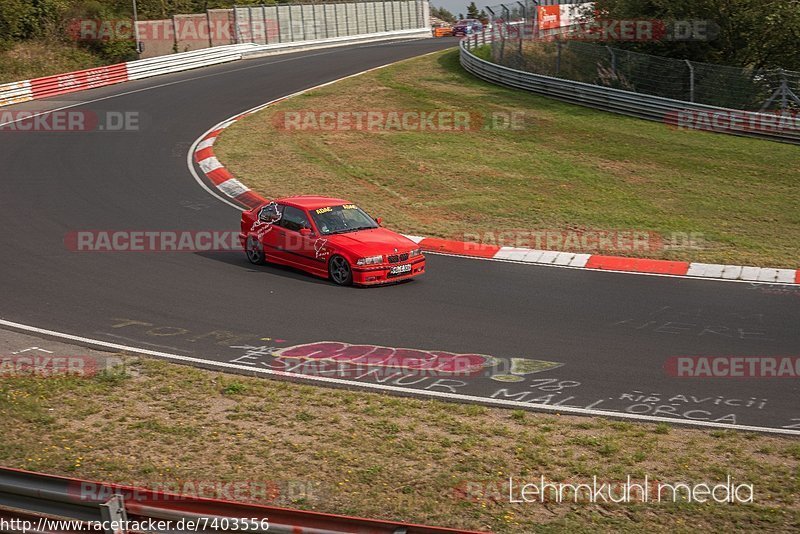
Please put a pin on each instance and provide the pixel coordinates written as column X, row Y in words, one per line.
column 252, row 29
column 235, row 25
column 784, row 90
column 346, row 19
column 264, row 22
column 291, row 24
column 303, row 20
column 691, row 80
column 558, row 57
column 278, row 22
column 314, row 18
column 613, row 60
column 175, row 33
column 208, row 23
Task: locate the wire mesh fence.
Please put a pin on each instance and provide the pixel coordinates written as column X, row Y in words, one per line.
column 519, row 42
column 702, row 83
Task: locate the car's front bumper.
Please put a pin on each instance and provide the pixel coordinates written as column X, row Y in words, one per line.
column 379, row 274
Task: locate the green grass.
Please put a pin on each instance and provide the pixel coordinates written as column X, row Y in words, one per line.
column 161, row 425
column 33, row 59
column 570, row 168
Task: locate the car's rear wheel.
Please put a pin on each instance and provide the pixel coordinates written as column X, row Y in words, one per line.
column 255, row 251
column 340, row 271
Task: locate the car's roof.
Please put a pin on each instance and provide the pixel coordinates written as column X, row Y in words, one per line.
column 311, row 202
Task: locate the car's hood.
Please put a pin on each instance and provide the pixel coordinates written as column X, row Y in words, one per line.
column 372, row 242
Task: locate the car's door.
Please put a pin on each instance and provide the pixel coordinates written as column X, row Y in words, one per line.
column 264, row 228
column 296, row 247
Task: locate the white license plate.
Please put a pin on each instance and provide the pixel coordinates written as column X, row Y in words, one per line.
column 400, row 269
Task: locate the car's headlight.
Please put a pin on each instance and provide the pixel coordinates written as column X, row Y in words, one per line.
column 414, row 253
column 371, row 260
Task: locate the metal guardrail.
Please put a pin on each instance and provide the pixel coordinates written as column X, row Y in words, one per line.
column 32, row 496
column 16, row 92
column 676, row 113
column 263, row 50
column 145, row 68
column 70, row 82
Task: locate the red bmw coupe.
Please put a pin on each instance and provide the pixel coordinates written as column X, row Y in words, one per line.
column 331, row 238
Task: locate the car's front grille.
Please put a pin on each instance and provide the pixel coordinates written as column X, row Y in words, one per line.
column 394, row 258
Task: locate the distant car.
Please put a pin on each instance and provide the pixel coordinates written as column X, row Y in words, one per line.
column 330, row 238
column 467, row 27
column 442, row 31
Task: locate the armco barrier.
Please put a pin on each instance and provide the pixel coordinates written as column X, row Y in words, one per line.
column 145, row 68
column 70, row 82
column 78, row 81
column 14, row 93
column 31, row 496
column 59, row 84
column 638, row 105
column 264, row 50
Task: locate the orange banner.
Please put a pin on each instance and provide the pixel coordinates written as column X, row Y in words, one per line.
column 549, row 17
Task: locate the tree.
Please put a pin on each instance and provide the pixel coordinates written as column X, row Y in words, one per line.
column 746, row 33
column 472, row 11
column 483, row 17
column 442, row 13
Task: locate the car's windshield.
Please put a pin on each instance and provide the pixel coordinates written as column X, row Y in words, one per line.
column 340, row 219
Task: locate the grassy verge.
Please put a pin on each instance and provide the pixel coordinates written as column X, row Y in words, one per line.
column 570, row 168
column 33, row 59
column 380, row 456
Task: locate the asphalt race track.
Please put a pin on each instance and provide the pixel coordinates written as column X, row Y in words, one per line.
column 607, row 336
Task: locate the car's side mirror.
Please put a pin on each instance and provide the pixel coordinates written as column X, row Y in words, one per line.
column 379, row 220
column 305, row 232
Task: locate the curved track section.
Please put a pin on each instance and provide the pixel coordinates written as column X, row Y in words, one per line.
column 561, row 339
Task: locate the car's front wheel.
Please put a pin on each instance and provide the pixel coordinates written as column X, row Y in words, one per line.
column 340, row 271
column 255, row 251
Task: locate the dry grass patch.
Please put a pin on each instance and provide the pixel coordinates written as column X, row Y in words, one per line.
column 569, row 168
column 380, row 456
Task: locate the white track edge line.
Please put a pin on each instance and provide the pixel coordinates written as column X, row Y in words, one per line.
column 567, row 410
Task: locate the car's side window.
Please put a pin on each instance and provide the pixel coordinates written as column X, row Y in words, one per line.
column 271, row 213
column 294, row 219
